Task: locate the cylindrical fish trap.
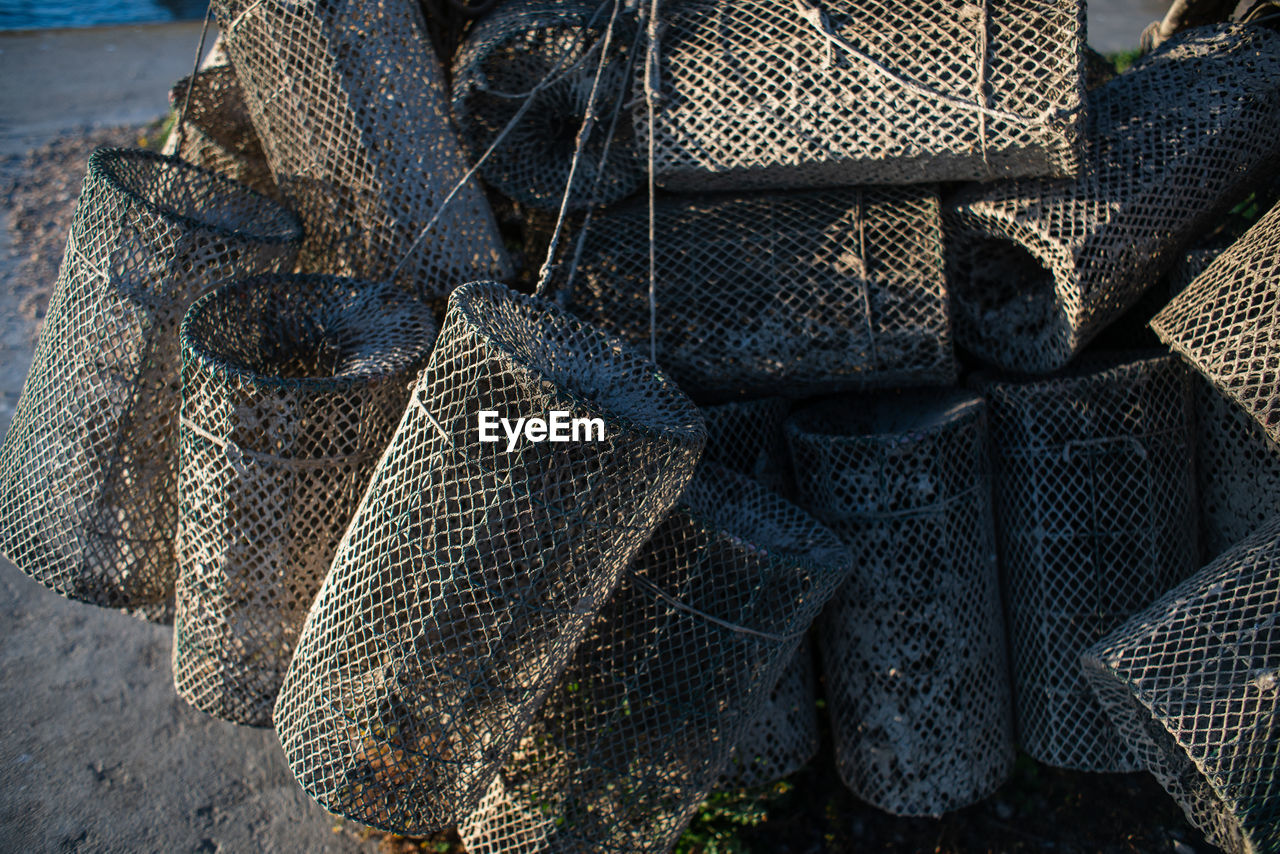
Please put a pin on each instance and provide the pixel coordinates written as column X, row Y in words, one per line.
column 1225, row 322
column 292, row 387
column 1096, row 513
column 1038, row 267
column 635, row 734
column 799, row 93
column 781, row 294
column 1193, row 686
column 548, row 51
column 477, row 560
column 88, row 469
column 746, row 436
column 913, row 646
column 216, row 131
column 351, row 107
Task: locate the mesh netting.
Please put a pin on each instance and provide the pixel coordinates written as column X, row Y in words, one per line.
column 1096, row 511
column 1193, row 685
column 87, row 471
column 472, row 569
column 217, row 132
column 511, row 52
column 789, row 295
column 681, row 658
column 913, row 645
column 746, row 436
column 756, row 95
column 1224, row 323
column 350, row 106
column 292, row 386
column 1038, row 267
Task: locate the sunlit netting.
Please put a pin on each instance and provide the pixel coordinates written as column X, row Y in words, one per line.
column 1237, row 470
column 510, row 53
column 291, row 388
column 780, row 294
column 87, row 471
column 216, row 131
column 785, row 736
column 351, row 107
column 913, row 645
column 1038, row 267
column 1225, row 322
column 746, row 436
column 472, row 568
column 1193, row 686
column 634, row 736
column 1096, row 512
column 764, row 93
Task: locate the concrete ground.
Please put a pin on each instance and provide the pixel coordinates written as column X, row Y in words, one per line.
column 96, row 751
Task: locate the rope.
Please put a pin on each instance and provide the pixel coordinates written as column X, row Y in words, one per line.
column 191, row 81
column 652, row 85
column 649, row 587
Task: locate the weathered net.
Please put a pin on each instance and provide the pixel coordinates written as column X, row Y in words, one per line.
column 87, row 470
column 755, row 95
column 1237, row 471
column 746, row 436
column 1038, row 267
column 779, row 294
column 1224, row 323
column 1193, row 686
column 1096, row 517
column 472, row 569
column 292, row 387
column 351, row 107
column 512, row 52
column 217, row 132
column 680, row 660
column 913, row 646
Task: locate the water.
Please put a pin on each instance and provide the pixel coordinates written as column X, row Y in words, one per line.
column 42, row 14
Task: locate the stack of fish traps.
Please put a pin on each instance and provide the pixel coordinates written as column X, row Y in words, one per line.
column 553, row 576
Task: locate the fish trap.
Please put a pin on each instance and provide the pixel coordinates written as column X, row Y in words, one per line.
column 790, row 295
column 351, row 107
column 547, row 52
column 1038, row 267
column 799, row 93
column 88, row 469
column 292, row 387
column 1192, row 684
column 679, row 662
column 472, row 569
column 913, row 645
column 1096, row 517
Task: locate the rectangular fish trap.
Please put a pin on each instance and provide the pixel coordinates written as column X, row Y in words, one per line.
column 913, row 644
column 472, row 568
column 801, row 93
column 1192, row 684
column 1038, row 267
column 291, row 388
column 351, row 106
column 777, row 295
column 679, row 661
column 88, row 503
column 1096, row 518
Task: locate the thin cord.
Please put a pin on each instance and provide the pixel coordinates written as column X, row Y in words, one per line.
column 191, row 81
column 651, row 88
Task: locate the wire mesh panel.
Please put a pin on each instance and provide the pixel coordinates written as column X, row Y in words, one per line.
column 350, row 105
column 782, row 294
column 799, row 93
column 87, row 470
column 217, row 132
column 1224, row 323
column 292, row 387
column 472, row 568
column 553, row 47
column 1038, row 267
column 1096, row 512
column 1193, row 686
column 913, row 645
column 681, row 658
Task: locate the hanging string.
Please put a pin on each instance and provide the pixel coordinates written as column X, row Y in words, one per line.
column 191, row 81
column 652, row 86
